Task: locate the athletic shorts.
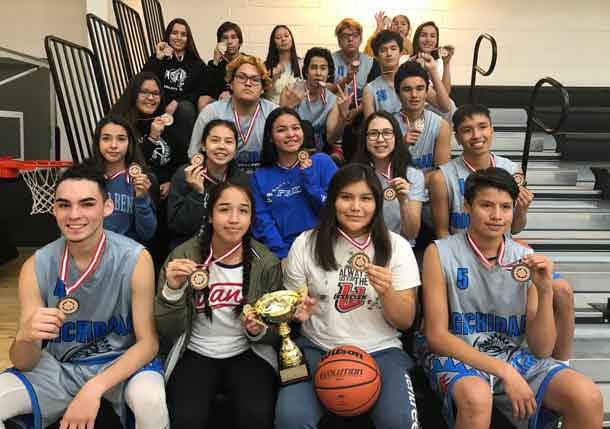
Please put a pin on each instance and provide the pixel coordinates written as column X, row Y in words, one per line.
column 444, row 372
column 52, row 385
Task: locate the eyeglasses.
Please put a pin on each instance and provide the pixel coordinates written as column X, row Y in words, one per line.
column 243, row 78
column 386, row 133
column 146, row 94
column 347, row 36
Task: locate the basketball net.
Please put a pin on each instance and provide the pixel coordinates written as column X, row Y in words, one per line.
column 41, row 182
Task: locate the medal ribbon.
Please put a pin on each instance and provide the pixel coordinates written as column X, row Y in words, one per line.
column 117, row 174
column 500, row 256
column 359, row 246
column 63, row 271
column 387, row 173
column 244, row 138
column 204, row 173
column 225, row 255
column 321, row 97
column 355, row 91
column 471, row 168
column 405, row 119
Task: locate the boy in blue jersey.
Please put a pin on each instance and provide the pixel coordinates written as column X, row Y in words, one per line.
column 89, row 295
column 489, row 326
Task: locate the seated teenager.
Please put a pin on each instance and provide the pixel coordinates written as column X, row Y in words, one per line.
column 214, row 349
column 188, row 205
column 288, row 192
column 362, row 308
column 489, row 331
column 403, row 184
column 326, row 112
column 229, row 39
column 142, row 105
column 282, row 61
column 399, row 24
column 425, row 133
column 89, row 296
column 247, row 77
column 114, row 150
column 177, row 64
column 379, row 94
column 474, row 132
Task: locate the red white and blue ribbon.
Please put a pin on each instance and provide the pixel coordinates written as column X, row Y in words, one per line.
column 244, row 138
column 63, row 270
column 359, row 246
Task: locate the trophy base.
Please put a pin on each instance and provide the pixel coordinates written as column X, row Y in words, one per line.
column 294, row 375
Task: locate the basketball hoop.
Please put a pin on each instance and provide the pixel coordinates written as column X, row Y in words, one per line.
column 40, row 176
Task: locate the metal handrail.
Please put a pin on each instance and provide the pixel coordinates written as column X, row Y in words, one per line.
column 475, row 62
column 532, row 120
column 153, row 19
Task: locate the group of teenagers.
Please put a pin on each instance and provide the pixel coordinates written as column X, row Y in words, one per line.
column 343, row 186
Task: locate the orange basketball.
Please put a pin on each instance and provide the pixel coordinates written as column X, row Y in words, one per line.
column 347, row 381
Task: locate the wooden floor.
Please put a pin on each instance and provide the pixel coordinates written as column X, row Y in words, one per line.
column 9, row 274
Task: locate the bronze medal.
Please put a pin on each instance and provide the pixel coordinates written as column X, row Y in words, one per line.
column 359, row 261
column 167, row 119
column 167, row 50
column 199, row 279
column 302, row 156
column 355, row 63
column 389, row 193
column 68, row 305
column 197, row 159
column 419, row 124
column 519, row 179
column 521, row 273
column 134, row 170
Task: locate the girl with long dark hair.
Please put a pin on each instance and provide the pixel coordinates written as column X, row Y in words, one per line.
column 114, row 150
column 363, row 278
column 381, row 147
column 212, row 345
column 188, row 205
column 289, row 185
column 282, row 61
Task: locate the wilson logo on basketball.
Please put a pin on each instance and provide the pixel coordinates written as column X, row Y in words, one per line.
column 349, row 297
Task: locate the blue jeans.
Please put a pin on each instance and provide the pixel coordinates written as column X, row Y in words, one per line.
column 298, row 407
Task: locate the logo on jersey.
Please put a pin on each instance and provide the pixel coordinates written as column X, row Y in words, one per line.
column 221, row 295
column 349, row 297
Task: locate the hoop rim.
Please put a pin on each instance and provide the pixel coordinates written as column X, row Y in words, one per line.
column 10, row 167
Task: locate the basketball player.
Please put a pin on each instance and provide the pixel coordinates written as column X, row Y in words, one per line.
column 364, row 278
column 474, row 132
column 247, row 77
column 88, row 295
column 489, row 323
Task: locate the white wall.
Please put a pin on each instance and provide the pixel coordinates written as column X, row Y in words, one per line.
column 568, row 41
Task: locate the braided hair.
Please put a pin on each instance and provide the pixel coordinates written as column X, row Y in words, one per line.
column 205, row 240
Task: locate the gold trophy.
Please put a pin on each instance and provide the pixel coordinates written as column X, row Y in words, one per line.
column 278, row 308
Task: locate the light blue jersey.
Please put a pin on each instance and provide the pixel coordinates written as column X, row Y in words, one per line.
column 341, row 68
column 423, row 151
column 384, row 96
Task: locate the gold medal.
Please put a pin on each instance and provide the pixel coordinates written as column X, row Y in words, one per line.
column 197, row 159
column 521, row 273
column 68, row 305
column 389, row 193
column 302, row 156
column 134, row 170
column 519, row 179
column 167, row 119
column 199, row 279
column 359, row 261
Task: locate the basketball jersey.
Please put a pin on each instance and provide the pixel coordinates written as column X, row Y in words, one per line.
column 423, row 151
column 316, row 112
column 248, row 155
column 102, row 328
column 341, row 68
column 222, row 336
column 487, row 307
column 391, row 209
column 455, row 173
column 384, row 96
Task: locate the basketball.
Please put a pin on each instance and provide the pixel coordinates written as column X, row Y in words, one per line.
column 347, row 381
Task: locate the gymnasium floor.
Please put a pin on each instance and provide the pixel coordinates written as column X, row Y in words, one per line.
column 9, row 275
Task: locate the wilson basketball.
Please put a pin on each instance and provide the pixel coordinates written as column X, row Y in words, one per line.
column 347, row 381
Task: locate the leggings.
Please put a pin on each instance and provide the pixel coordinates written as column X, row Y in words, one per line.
column 248, row 380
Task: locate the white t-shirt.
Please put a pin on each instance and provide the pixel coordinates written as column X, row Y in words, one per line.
column 348, row 309
column 223, row 336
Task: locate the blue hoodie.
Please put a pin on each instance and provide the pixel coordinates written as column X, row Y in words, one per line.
column 132, row 216
column 288, row 200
